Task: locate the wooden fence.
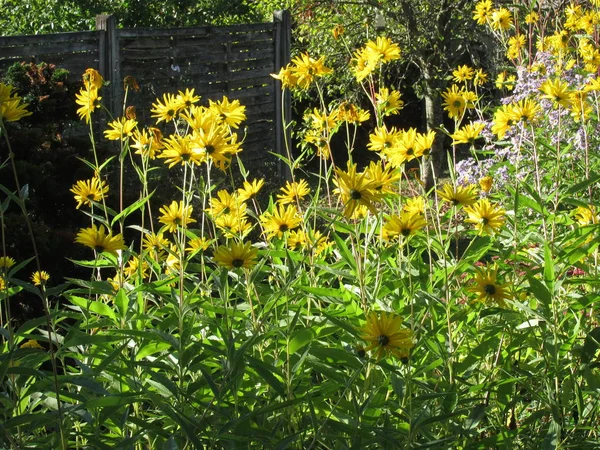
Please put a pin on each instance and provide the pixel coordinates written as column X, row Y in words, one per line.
column 232, row 60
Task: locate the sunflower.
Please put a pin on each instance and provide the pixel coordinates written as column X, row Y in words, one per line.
column 250, row 189
column 146, row 144
column 388, row 103
column 181, row 150
column 120, row 129
column 293, row 192
column 384, row 178
column 306, row 69
column 348, row 112
column 89, row 101
column 463, row 73
column 480, row 77
column 12, row 107
column 6, row 262
column 92, row 79
column 166, row 110
column 176, row 215
column 235, row 256
column 233, row 225
column 198, row 244
column 526, row 111
column 87, row 191
column 226, row 203
column 414, row 205
column 586, row 215
column 136, row 266
column 184, row 100
column 383, row 49
column 458, row 194
column 99, row 240
column 355, row 190
column 483, row 11
column 468, row 133
column 32, row 343
column 485, row 184
column 381, row 139
column 384, row 334
column 283, row 218
column 228, row 113
column 487, row 217
column 156, row 245
column 503, row 120
column 501, row 19
column 558, row 92
column 287, row 77
column 487, row 288
column 40, row 278
column 217, row 144
column 454, row 102
column 406, row 224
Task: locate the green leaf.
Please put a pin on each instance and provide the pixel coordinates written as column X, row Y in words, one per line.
column 93, row 306
column 131, row 208
column 121, row 301
column 594, row 178
column 344, row 251
column 301, row 339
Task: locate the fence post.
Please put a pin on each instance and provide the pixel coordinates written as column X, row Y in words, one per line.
column 283, row 105
column 110, row 61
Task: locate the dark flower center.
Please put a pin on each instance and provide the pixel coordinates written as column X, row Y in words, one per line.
column 171, row 113
column 490, row 289
column 405, row 232
column 355, row 195
column 209, row 149
column 237, row 263
column 383, row 340
column 283, row 227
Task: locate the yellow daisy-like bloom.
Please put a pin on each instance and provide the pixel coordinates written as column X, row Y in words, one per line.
column 515, row 44
column 199, row 117
column 454, row 102
column 501, row 19
column 226, row 203
column 186, row 99
column 406, row 149
column 99, row 240
column 381, row 139
column 384, row 178
column 165, row 110
column 12, row 107
column 487, row 217
column 337, row 31
column 234, row 225
column 282, row 219
column 384, row 334
column 287, row 76
column 235, row 256
column 383, row 49
column 307, row 69
column 480, row 77
column 348, row 112
column 120, row 129
column 297, row 240
column 146, row 144
column 458, row 195
column 6, row 262
column 586, row 215
column 388, row 103
column 364, row 64
column 87, row 191
column 250, row 189
column 487, row 288
column 182, row 150
column 557, row 91
column 217, row 144
column 532, row 18
column 89, row 101
column 92, row 79
column 3, row 284
column 405, row 225
column 229, row 113
column 156, row 245
column 559, row 41
column 468, row 133
column 135, row 268
column 176, row 215
column 293, row 192
column 483, row 11
column 355, row 189
column 463, row 73
column 503, row 120
column 40, row 277
column 414, row 206
column 486, row 183
column 198, row 244
column 526, row 110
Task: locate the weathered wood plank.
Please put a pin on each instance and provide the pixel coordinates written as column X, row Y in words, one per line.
column 9, row 41
column 196, row 31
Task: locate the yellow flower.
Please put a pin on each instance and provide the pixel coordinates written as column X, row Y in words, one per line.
column 89, row 101
column 463, row 73
column 88, row 191
column 32, row 343
column 134, row 268
column 166, row 110
column 485, row 184
column 468, row 133
column 503, row 120
column 532, row 18
column 347, row 112
column 454, row 102
column 406, row 224
column 307, row 69
column 383, row 49
column 388, row 103
column 92, row 79
column 355, row 190
column 586, row 215
column 226, row 203
column 458, row 195
column 156, row 245
column 186, row 99
column 487, row 217
column 181, row 150
column 337, row 31
column 557, row 91
column 146, row 144
column 176, row 215
column 526, row 110
column 282, row 219
column 501, row 19
column 120, row 129
column 233, row 225
column 287, row 77
column 217, row 144
column 384, row 334
column 99, row 240
column 293, row 192
column 229, row 113
column 6, row 262
column 480, row 77
column 198, row 244
column 414, row 206
column 487, row 288
column 250, row 189
column 384, row 178
column 236, row 256
column 11, row 106
column 483, row 11
column 381, row 139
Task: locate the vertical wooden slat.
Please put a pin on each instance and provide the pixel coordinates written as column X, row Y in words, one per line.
column 283, row 106
column 112, row 61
